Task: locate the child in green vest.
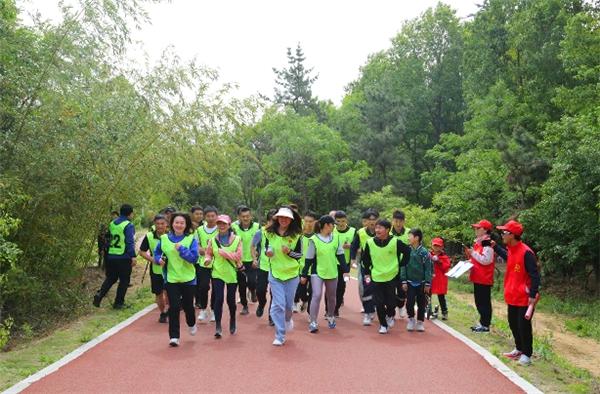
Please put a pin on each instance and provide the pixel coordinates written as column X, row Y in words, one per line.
column 416, row 280
column 224, row 253
column 157, row 281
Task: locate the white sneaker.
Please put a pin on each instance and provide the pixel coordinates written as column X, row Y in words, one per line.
column 411, row 324
column 295, row 308
column 202, row 315
column 367, row 320
column 278, row 342
column 524, row 360
column 390, row 321
column 289, row 325
column 420, row 326
column 193, row 330
column 174, row 342
column 212, row 316
column 403, row 313
column 383, row 330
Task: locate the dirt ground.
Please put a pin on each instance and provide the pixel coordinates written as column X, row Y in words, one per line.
column 581, row 352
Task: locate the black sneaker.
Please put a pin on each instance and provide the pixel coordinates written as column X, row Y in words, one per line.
column 218, row 331
column 259, row 311
column 121, row 306
column 162, row 318
column 232, row 327
column 253, row 297
column 271, row 321
column 245, row 310
column 97, row 301
column 336, row 314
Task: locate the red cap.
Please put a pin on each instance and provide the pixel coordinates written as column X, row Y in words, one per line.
column 223, row 219
column 513, row 227
column 485, row 224
column 437, row 242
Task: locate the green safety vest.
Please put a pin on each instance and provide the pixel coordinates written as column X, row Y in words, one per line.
column 325, row 253
column 221, row 268
column 302, row 260
column 117, row 237
column 153, row 242
column 385, row 265
column 264, row 260
column 203, row 237
column 403, row 237
column 282, row 266
column 246, row 236
column 348, row 237
column 178, row 270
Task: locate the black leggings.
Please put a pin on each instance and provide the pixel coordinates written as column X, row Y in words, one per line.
column 203, row 276
column 247, row 280
column 418, row 294
column 443, row 304
column 218, row 295
column 483, row 302
column 384, row 294
column 180, row 295
column 262, row 283
column 521, row 329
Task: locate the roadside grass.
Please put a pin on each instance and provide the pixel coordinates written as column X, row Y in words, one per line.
column 582, row 314
column 31, row 356
column 550, row 372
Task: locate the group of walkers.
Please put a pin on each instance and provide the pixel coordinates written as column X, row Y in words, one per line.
column 202, row 259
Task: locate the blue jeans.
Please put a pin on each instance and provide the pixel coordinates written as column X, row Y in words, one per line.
column 282, row 300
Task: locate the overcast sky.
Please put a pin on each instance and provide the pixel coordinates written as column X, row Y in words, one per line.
column 244, row 39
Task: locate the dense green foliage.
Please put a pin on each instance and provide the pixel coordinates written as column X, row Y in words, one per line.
column 496, row 116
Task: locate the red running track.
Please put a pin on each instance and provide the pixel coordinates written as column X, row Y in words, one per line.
column 350, row 358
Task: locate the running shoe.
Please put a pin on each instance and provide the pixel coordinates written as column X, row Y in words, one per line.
column 232, row 327
column 411, row 324
column 383, row 330
column 245, row 310
column 331, row 322
column 174, row 342
column 289, row 325
column 390, row 321
column 420, row 326
column 313, row 327
column 524, row 360
column 212, row 316
column 203, row 315
column 193, row 329
column 259, row 311
column 514, row 354
column 481, row 329
column 278, row 342
column 163, row 317
column 367, row 319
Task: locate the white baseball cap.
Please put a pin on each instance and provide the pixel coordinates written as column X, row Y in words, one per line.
column 285, row 212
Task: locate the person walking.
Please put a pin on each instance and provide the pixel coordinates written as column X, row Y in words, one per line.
column 346, row 234
column 439, row 282
column 416, row 280
column 246, row 228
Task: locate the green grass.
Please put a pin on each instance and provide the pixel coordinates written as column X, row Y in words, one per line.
column 582, row 313
column 30, row 357
column 550, row 372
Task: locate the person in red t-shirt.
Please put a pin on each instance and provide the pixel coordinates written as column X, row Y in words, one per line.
column 441, row 265
column 482, row 273
column 521, row 284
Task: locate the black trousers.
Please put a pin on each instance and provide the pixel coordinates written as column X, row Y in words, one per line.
column 117, row 269
column 443, row 304
column 521, row 329
column 303, row 292
column 180, row 295
column 483, row 302
column 219, row 298
column 247, row 280
column 400, row 294
column 261, row 287
column 416, row 294
column 341, row 290
column 384, row 294
column 203, row 276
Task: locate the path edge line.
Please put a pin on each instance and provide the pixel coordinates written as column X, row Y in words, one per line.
column 494, row 361
column 23, row 384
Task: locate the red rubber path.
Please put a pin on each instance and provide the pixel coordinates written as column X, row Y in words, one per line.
column 351, row 358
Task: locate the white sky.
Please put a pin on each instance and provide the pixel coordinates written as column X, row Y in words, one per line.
column 244, row 39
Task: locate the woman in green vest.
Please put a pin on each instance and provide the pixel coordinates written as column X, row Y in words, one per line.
column 284, row 249
column 382, row 258
column 224, row 253
column 323, row 255
column 177, row 253
column 157, row 281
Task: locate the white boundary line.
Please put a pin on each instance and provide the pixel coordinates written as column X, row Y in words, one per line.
column 489, row 357
column 23, row 384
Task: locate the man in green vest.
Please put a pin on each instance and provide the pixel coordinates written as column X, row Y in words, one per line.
column 157, row 280
column 120, row 258
column 245, row 228
column 400, row 232
column 345, row 234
